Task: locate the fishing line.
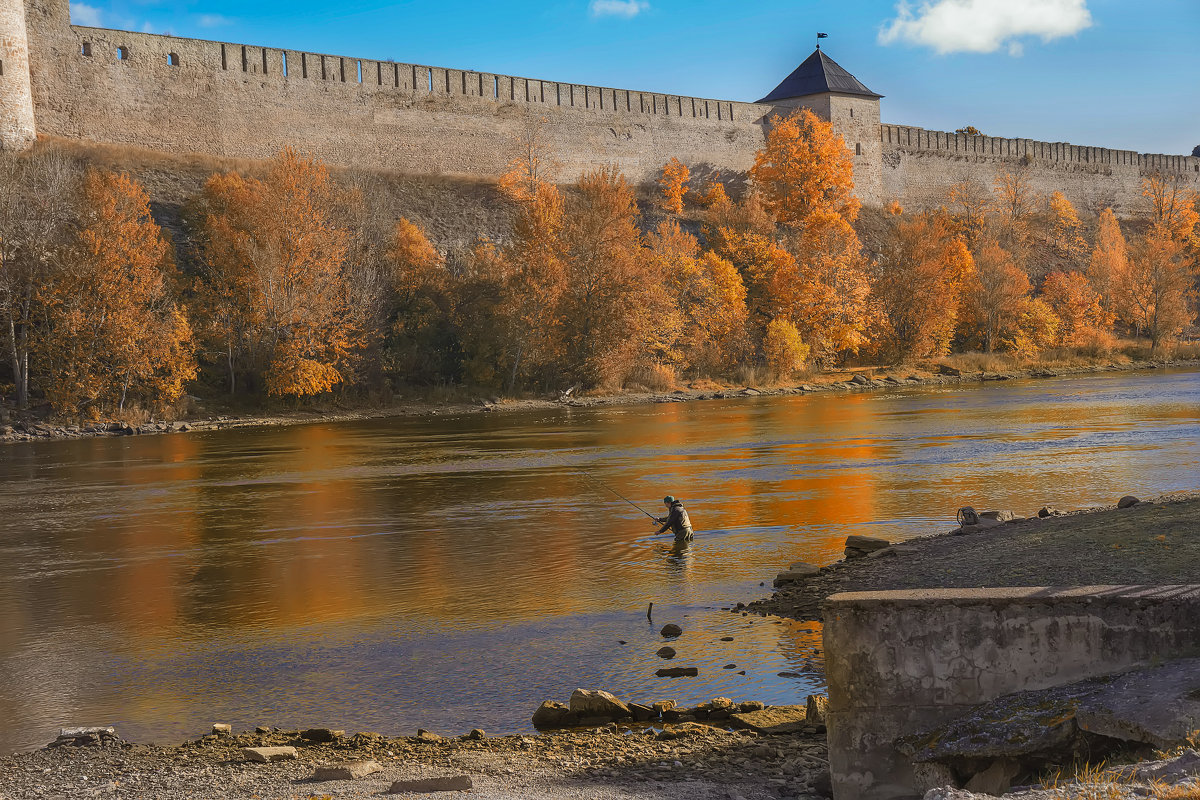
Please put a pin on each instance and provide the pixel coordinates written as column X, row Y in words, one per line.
column 604, row 486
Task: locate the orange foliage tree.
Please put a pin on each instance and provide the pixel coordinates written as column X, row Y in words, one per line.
column 610, row 297
column 1036, row 329
column 113, row 328
column 674, row 185
column 274, row 288
column 995, row 293
column 969, row 205
column 919, row 282
column 1171, row 205
column 418, row 341
column 1109, row 263
column 1077, row 306
column 804, row 169
column 1068, row 230
column 1156, row 292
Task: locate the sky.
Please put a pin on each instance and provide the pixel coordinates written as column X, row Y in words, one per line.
column 1109, row 73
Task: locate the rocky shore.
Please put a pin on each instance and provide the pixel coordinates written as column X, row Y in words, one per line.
column 32, row 429
column 672, row 760
column 1130, row 542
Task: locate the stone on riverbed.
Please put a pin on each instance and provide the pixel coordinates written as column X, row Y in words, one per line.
column 671, row 631
column 320, row 735
column 266, row 755
column 1128, row 501
column 816, row 708
column 862, row 546
column 221, row 729
column 797, row 572
column 84, row 737
column 772, row 720
column 642, row 713
column 678, row 672
column 450, row 783
column 350, row 771
column 552, row 715
column 666, row 652
column 597, row 703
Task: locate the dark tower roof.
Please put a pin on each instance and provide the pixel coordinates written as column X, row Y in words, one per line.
column 818, row 74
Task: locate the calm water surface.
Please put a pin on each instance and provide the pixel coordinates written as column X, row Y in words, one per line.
column 453, row 572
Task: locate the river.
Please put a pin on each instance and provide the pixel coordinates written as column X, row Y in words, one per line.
column 453, row 572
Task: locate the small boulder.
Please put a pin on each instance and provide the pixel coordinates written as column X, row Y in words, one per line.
column 597, row 703
column 797, row 572
column 1048, row 511
column 664, row 705
column 860, row 380
column 816, row 708
column 1128, row 501
column 666, row 652
column 477, row 735
column 450, row 783
column 221, row 729
column 678, row 672
column 863, row 546
column 551, row 715
column 998, row 516
column 320, row 735
column 350, row 771
column 750, row 705
column 427, row 736
column 642, row 713
column 267, row 755
column 670, row 631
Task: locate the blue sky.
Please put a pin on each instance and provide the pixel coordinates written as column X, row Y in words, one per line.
column 1112, row 73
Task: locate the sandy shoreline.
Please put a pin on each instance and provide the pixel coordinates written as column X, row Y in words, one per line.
column 850, row 381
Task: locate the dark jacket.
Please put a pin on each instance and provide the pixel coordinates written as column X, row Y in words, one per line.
column 677, row 520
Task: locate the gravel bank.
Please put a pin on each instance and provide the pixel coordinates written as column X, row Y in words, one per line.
column 611, row 763
column 1155, row 542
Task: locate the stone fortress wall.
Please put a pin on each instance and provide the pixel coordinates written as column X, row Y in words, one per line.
column 194, row 96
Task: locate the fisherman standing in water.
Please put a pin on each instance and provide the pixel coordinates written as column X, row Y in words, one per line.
column 676, row 520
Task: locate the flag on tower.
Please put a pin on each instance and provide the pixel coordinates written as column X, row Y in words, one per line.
column 821, row 36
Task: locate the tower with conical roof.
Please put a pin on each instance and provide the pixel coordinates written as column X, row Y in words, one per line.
column 832, row 93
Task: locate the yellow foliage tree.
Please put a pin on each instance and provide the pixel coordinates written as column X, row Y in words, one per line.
column 805, row 169
column 113, row 328
column 1036, row 329
column 674, row 185
column 784, row 350
column 919, row 282
column 274, row 288
column 995, row 293
column 1109, row 263
column 1077, row 306
column 1068, row 230
column 715, row 196
column 970, row 203
column 1155, row 295
column 1172, row 206
column 530, row 167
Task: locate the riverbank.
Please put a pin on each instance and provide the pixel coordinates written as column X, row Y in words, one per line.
column 845, row 381
column 1151, row 542
column 614, row 762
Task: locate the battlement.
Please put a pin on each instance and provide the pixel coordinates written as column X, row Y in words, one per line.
column 918, row 139
column 169, row 57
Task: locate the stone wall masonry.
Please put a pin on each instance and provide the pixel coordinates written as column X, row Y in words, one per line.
column 919, row 166
column 903, row 662
column 186, row 95
column 16, row 97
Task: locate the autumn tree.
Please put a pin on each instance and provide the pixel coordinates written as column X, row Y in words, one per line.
column 1035, row 330
column 995, row 293
column 969, row 204
column 113, row 329
column 274, row 288
column 419, row 342
column 673, row 183
column 805, row 169
column 609, row 300
column 714, row 195
column 704, row 327
column 1155, row 293
column 784, row 349
column 530, row 166
column 1067, row 229
column 919, row 280
column 1171, row 205
column 1109, row 262
column 38, row 221
column 1078, row 307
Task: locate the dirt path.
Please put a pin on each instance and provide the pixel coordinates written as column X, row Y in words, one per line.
column 1154, row 542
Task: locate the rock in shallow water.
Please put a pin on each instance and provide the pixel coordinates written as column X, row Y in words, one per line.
column 671, row 630
column 597, row 703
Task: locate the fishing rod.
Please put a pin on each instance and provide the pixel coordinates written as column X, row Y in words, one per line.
column 608, row 488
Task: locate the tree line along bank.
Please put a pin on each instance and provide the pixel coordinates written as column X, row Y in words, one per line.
column 289, row 281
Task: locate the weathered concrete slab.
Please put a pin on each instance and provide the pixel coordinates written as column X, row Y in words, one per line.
column 266, row 755
column 453, row 783
column 772, row 720
column 349, row 771
column 1159, row 706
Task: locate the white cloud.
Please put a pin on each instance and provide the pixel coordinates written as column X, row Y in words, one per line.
column 213, row 21
column 984, row 26
column 89, row 16
column 618, row 8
